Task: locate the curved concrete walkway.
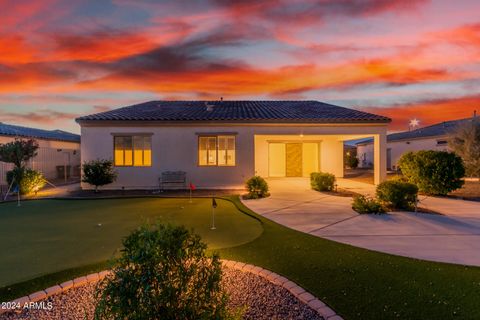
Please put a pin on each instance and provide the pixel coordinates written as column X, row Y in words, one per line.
column 452, row 237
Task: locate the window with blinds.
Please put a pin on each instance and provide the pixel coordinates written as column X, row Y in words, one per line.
column 133, row 151
column 216, row 150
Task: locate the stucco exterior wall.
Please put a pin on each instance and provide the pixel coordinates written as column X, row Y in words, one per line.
column 176, row 148
column 50, row 155
column 398, row 148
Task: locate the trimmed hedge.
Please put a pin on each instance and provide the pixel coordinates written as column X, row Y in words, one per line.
column 322, row 181
column 397, row 194
column 434, row 172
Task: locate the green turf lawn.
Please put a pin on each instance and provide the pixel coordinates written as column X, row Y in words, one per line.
column 357, row 283
column 46, row 236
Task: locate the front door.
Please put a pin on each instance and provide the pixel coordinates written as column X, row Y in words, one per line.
column 293, row 160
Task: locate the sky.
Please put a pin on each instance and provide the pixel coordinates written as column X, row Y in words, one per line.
column 401, row 58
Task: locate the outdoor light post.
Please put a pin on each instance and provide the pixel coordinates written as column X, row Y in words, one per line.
column 214, row 205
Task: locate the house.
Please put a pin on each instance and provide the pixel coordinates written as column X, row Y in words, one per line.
column 57, row 150
column 220, row 144
column 434, row 137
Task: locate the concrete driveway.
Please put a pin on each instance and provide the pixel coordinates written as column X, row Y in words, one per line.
column 452, row 237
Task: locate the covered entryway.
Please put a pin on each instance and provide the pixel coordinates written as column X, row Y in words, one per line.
column 298, row 155
column 292, row 159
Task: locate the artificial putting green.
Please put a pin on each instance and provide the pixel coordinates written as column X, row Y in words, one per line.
column 357, row 283
column 45, row 236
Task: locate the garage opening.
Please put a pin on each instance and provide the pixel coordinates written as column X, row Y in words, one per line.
column 292, row 159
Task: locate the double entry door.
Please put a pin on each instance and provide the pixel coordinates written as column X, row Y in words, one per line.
column 292, row 159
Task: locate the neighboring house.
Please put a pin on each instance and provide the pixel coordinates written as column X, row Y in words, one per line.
column 434, row 137
column 56, row 149
column 220, row 144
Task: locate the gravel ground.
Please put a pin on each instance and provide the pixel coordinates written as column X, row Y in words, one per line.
column 262, row 299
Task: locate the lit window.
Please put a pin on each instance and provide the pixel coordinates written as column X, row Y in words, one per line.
column 133, row 151
column 216, row 151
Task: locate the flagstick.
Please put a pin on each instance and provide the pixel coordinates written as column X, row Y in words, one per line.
column 213, row 218
column 8, row 191
column 190, row 195
column 18, row 197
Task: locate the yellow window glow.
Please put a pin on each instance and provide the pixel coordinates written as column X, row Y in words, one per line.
column 147, row 151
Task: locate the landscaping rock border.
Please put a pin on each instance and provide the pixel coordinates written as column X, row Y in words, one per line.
column 321, row 308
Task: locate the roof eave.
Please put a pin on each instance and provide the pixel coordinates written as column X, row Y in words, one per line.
column 82, row 121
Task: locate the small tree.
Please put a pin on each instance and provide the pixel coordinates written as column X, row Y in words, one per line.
column 18, row 152
column 351, row 161
column 99, row 173
column 163, row 273
column 465, row 142
column 434, row 172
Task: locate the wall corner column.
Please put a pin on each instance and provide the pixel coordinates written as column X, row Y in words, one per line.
column 380, row 157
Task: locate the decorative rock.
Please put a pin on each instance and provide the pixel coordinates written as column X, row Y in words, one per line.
column 248, row 267
column 297, row 291
column 289, row 308
column 281, row 280
column 265, row 273
column 92, row 277
column 22, row 300
column 103, row 274
column 66, row 285
column 239, row 265
column 256, row 270
column 316, row 304
column 80, row 281
column 289, row 284
column 326, row 312
column 305, row 296
column 53, row 290
column 39, row 295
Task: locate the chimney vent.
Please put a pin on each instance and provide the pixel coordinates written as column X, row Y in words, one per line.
column 209, row 106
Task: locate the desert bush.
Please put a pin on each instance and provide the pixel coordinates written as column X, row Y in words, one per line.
column 163, row 273
column 257, row 188
column 26, row 180
column 434, row 172
column 397, row 194
column 322, row 181
column 363, row 204
column 99, row 173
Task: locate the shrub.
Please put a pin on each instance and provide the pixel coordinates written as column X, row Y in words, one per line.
column 27, row 180
column 434, row 172
column 322, row 181
column 163, row 273
column 351, row 161
column 99, row 173
column 397, row 194
column 257, row 187
column 363, row 204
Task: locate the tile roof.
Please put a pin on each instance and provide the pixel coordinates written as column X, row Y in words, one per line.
column 237, row 111
column 438, row 129
column 18, row 131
